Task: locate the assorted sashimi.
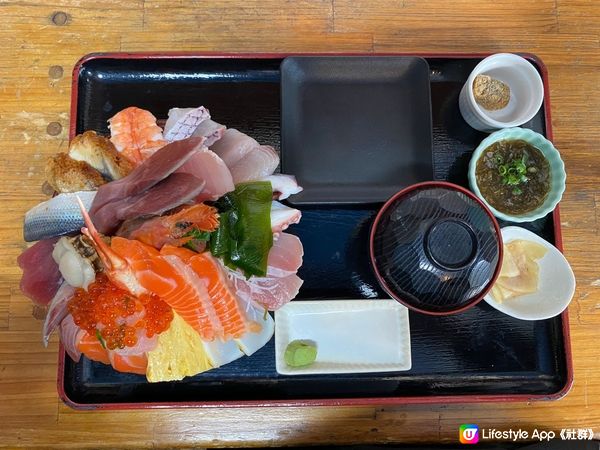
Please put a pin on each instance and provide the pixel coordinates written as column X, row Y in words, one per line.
column 192, row 252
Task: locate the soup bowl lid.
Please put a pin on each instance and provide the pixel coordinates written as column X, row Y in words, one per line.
column 436, row 248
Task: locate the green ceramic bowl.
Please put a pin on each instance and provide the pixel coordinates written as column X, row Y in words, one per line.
column 557, row 171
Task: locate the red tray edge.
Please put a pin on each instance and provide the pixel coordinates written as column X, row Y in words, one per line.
column 366, row 401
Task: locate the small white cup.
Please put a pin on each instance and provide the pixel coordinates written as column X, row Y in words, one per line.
column 526, row 93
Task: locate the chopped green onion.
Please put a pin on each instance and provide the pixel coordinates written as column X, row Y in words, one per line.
column 100, row 338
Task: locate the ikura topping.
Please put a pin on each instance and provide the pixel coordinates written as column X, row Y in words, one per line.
column 115, row 316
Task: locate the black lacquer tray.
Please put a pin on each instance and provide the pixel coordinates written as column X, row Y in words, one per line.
column 478, row 355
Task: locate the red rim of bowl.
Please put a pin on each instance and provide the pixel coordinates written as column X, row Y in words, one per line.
column 432, row 184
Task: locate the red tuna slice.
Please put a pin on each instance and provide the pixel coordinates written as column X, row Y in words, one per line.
column 41, row 277
column 153, row 170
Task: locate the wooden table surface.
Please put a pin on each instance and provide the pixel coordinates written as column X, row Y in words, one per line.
column 42, row 40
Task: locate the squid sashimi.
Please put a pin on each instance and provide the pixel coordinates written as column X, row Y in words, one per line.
column 135, row 134
column 174, row 229
column 41, row 276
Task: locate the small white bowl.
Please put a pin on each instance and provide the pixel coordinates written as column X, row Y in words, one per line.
column 556, row 284
column 526, row 93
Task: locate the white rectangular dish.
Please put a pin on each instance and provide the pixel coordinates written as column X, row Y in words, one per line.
column 352, row 336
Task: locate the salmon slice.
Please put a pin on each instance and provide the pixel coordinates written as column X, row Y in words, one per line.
column 129, row 363
column 191, row 299
column 91, row 347
column 223, row 299
column 174, row 282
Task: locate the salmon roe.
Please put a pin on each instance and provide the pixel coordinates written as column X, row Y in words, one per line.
column 115, row 316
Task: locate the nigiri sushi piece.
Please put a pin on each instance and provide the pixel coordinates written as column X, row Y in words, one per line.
column 182, row 122
column 135, row 134
column 56, row 217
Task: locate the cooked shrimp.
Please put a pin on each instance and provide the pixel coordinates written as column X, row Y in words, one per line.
column 116, row 268
column 173, row 229
column 135, row 134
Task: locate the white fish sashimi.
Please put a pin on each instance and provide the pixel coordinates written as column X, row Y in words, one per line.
column 260, row 162
column 233, row 146
column 57, row 310
column 283, row 216
column 182, row 122
column 283, row 185
column 269, row 292
column 58, row 216
column 211, row 130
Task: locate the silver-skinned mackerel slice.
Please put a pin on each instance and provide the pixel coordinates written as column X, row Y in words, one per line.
column 55, row 217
